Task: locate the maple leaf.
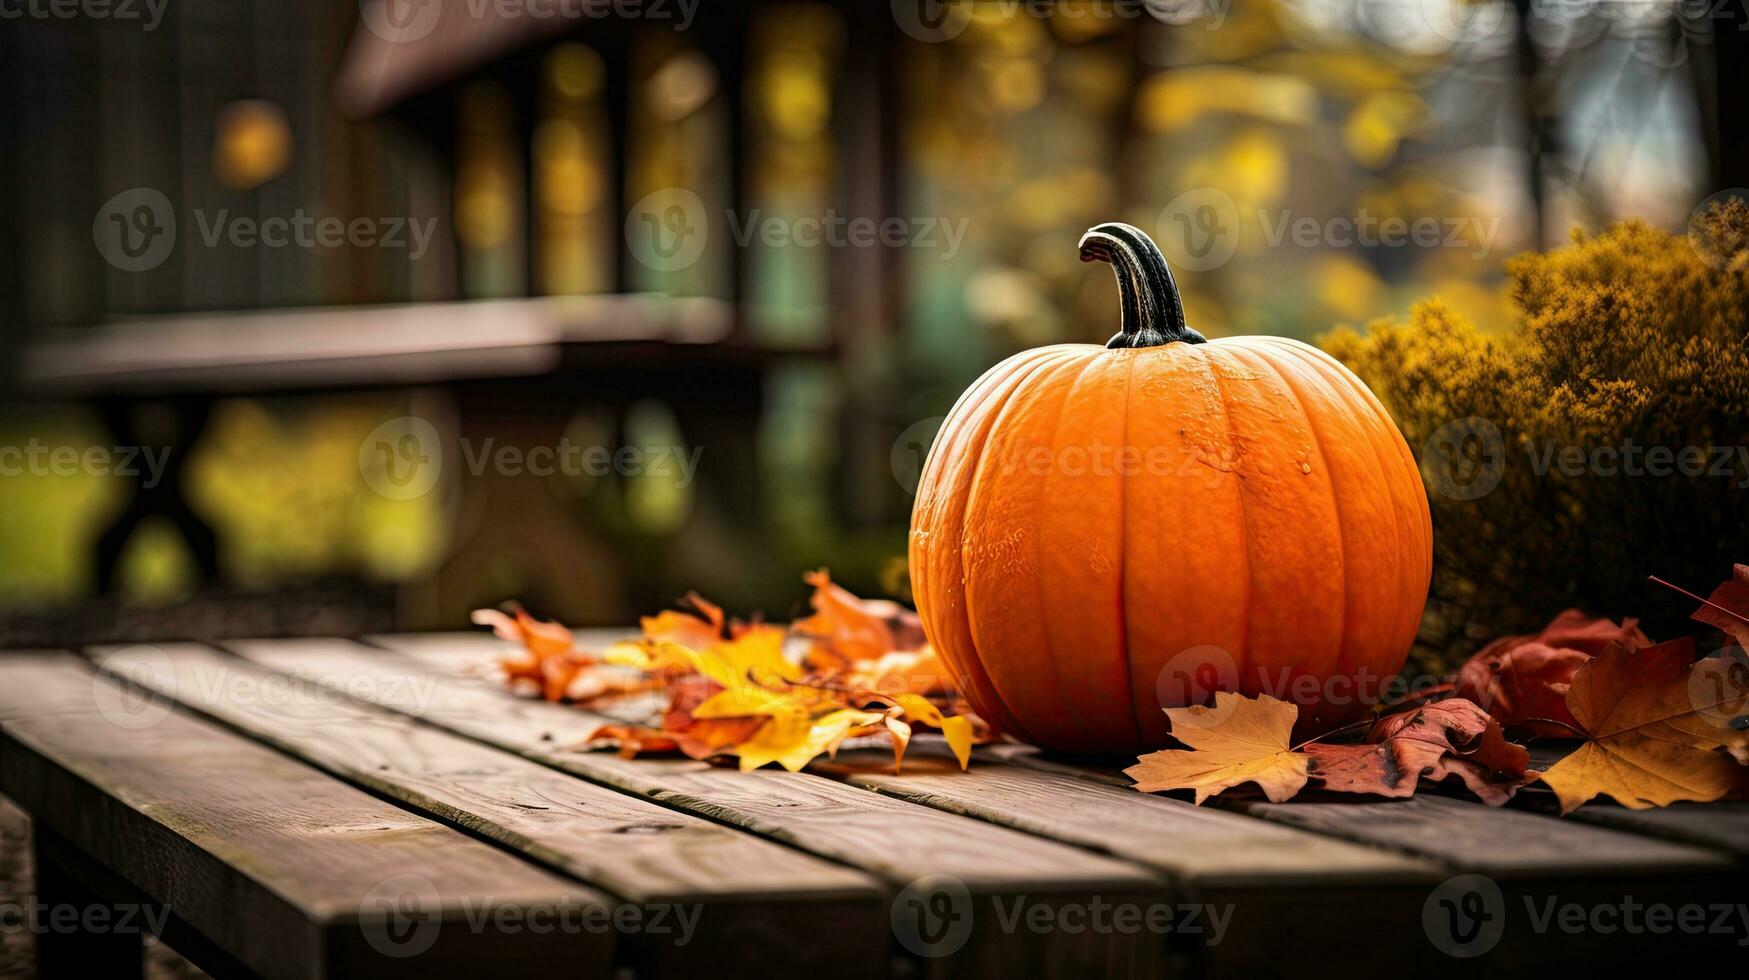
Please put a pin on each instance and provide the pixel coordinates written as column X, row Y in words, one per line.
column 549, row 662
column 1453, row 737
column 756, row 655
column 911, row 708
column 697, row 629
column 846, row 629
column 1728, row 607
column 1656, row 723
column 540, row 637
column 793, row 735
column 1238, row 740
column 1522, row 680
column 902, row 671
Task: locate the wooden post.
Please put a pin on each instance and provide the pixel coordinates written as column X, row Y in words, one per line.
column 66, row 943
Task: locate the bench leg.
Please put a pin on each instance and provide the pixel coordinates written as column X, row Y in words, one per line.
column 73, row 925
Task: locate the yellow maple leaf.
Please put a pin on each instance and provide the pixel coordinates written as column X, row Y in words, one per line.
column 1239, row 740
column 756, row 655
column 912, row 708
column 1654, row 726
column 793, row 736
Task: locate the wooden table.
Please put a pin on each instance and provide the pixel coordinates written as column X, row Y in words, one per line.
column 330, row 807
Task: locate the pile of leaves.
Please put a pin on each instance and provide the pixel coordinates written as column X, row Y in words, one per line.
column 1658, row 725
column 854, row 669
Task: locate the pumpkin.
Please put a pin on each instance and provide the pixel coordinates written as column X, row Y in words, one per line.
column 1102, row 532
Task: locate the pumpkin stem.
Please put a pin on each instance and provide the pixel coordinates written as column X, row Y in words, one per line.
column 1153, row 315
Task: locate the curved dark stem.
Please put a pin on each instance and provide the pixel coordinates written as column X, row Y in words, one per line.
column 1153, row 314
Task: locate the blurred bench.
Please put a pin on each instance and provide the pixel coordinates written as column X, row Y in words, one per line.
column 515, row 371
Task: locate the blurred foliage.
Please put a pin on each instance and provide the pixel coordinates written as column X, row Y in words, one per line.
column 49, row 520
column 1633, row 337
column 280, row 484
column 1022, row 130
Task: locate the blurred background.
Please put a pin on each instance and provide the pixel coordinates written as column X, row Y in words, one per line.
column 329, row 317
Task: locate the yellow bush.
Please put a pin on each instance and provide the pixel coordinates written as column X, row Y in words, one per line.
column 1603, row 440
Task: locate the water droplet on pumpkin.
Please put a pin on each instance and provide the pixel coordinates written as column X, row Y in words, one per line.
column 1305, row 467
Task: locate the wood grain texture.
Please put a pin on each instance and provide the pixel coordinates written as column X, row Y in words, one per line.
column 750, row 893
column 1532, row 864
column 1724, row 826
column 293, row 872
column 1457, row 834
column 897, row 841
column 1278, row 887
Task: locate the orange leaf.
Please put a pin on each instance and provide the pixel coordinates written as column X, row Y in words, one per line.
column 1657, row 722
column 697, row 630
column 1519, row 679
column 849, row 629
column 1728, row 607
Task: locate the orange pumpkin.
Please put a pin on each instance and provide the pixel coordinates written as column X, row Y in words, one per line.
column 1101, row 532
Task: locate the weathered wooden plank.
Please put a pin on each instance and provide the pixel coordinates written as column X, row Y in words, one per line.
column 745, row 895
column 1724, row 826
column 1721, row 826
column 1459, row 834
column 1516, row 867
column 1269, row 887
column 293, row 872
column 986, row 870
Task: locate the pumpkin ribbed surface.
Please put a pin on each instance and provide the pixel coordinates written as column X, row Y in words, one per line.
column 1094, row 526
